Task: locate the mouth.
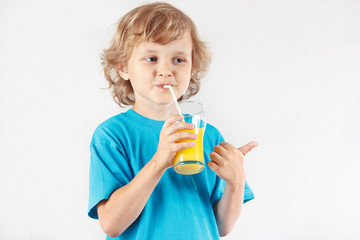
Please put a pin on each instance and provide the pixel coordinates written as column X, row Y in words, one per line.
column 162, row 86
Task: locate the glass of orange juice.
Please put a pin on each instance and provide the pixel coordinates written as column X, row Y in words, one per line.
column 191, row 160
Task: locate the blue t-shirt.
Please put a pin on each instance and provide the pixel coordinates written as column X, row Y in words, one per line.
column 181, row 206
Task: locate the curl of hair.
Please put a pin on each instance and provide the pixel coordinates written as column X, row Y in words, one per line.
column 156, row 22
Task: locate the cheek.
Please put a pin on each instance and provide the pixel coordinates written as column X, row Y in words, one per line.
column 184, row 85
column 185, row 73
column 142, row 71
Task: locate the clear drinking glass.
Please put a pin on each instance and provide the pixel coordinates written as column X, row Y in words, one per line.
column 191, row 160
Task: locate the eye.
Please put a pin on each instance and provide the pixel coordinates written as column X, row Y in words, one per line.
column 179, row 60
column 151, row 59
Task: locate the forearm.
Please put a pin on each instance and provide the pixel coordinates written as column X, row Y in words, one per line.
column 124, row 205
column 228, row 208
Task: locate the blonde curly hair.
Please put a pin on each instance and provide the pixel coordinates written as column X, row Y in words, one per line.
column 156, row 22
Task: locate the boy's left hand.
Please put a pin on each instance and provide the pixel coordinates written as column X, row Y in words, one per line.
column 228, row 162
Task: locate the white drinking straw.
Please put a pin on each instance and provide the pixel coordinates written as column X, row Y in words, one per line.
column 175, row 100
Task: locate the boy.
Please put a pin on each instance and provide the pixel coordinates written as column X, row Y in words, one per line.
column 134, row 191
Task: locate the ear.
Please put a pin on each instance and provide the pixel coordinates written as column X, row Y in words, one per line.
column 123, row 71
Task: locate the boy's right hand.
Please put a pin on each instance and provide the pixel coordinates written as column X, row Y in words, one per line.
column 169, row 135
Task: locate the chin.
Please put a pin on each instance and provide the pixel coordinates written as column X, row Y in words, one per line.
column 165, row 103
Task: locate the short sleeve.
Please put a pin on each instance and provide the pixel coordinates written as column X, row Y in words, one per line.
column 248, row 193
column 109, row 170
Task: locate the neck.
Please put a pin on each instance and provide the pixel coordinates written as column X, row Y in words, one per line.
column 157, row 112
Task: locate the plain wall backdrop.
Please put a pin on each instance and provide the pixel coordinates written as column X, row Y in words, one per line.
column 284, row 73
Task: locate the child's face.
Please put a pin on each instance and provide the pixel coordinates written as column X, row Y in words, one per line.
column 151, row 66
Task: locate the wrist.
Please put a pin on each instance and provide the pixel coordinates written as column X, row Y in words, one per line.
column 235, row 185
column 158, row 165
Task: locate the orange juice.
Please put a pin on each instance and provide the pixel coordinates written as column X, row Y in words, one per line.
column 191, row 160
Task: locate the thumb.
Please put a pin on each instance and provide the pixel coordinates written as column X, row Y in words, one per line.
column 247, row 148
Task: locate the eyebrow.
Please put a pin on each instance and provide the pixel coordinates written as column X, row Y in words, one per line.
column 148, row 51
column 180, row 53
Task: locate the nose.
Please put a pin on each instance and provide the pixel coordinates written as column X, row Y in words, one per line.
column 164, row 70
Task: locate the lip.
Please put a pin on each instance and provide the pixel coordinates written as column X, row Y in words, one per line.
column 162, row 86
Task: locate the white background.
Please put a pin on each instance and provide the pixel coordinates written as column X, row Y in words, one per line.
column 284, row 73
